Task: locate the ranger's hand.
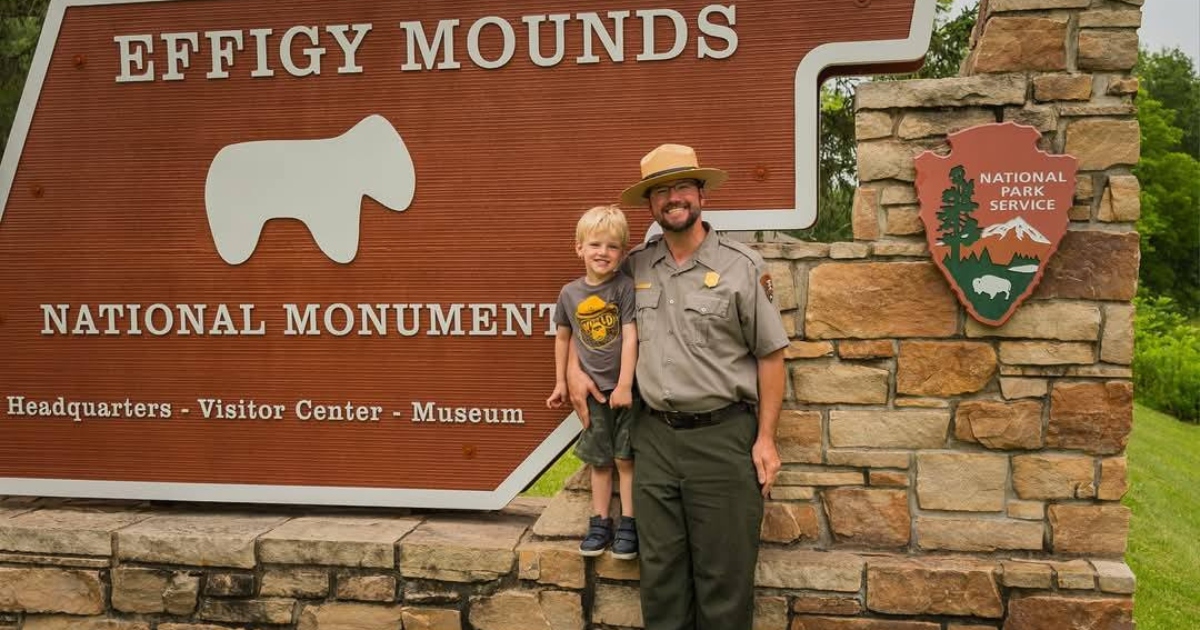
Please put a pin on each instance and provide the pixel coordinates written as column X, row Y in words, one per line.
column 580, row 386
column 766, row 462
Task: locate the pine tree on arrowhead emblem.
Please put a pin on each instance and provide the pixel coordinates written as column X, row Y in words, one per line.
column 958, row 225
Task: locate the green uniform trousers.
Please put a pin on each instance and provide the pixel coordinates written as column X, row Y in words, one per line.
column 699, row 512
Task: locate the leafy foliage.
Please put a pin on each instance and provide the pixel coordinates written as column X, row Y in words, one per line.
column 1169, row 172
column 1170, row 77
column 837, row 167
column 838, row 174
column 1166, row 365
column 20, row 25
column 949, row 45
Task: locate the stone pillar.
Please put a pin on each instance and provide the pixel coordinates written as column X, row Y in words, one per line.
column 939, row 472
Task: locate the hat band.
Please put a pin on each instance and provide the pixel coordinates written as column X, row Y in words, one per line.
column 669, row 171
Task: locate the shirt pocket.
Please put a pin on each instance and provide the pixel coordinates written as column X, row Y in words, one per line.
column 647, row 311
column 705, row 315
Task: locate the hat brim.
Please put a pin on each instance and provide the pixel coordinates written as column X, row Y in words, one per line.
column 636, row 194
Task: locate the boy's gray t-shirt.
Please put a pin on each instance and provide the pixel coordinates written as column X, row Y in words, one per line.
column 595, row 315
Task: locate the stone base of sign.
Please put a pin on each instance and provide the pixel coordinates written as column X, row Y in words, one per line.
column 131, row 566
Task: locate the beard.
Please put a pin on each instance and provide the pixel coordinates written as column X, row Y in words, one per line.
column 693, row 215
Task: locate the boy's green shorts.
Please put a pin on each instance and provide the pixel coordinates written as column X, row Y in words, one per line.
column 608, row 436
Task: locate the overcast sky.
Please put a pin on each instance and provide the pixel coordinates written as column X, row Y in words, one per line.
column 1165, row 24
column 1172, row 23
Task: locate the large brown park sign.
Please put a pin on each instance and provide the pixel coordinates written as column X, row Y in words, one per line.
column 308, row 252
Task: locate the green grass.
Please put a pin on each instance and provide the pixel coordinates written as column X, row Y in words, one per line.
column 1164, row 537
column 553, row 479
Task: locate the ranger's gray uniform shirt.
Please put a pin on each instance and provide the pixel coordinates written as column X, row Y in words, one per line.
column 702, row 326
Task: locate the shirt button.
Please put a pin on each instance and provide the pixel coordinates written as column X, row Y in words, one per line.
column 703, row 309
column 670, row 301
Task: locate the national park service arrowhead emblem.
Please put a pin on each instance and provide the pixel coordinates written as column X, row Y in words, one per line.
column 995, row 210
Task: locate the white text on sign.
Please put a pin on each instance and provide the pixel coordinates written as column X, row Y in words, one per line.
column 427, row 48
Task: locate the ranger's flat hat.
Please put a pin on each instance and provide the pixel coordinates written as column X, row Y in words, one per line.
column 667, row 163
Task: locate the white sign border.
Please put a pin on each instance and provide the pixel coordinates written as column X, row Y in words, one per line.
column 525, row 474
column 808, row 119
column 807, row 92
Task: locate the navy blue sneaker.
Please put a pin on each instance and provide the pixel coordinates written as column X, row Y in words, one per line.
column 598, row 537
column 625, row 544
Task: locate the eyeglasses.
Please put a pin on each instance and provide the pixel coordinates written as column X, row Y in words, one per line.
column 683, row 187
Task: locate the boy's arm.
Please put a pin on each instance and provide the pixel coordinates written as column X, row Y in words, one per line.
column 562, row 343
column 629, row 350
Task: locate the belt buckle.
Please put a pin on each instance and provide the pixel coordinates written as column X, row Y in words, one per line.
column 683, row 420
column 675, row 419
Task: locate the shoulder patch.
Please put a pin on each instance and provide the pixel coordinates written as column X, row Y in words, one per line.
column 768, row 286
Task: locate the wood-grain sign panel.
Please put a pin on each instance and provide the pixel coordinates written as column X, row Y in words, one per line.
column 308, row 252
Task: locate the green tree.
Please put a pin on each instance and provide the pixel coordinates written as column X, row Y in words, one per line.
column 950, row 43
column 1166, row 365
column 20, row 25
column 1170, row 221
column 1170, row 77
column 836, row 167
column 838, row 174
column 958, row 226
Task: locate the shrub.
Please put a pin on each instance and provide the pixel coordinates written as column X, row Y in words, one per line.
column 1166, row 362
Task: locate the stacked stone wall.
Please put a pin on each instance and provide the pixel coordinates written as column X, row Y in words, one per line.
column 99, row 566
column 939, row 474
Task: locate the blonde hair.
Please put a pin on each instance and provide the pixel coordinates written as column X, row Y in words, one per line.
column 607, row 220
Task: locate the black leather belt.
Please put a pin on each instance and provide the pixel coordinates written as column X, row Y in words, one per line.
column 682, row 420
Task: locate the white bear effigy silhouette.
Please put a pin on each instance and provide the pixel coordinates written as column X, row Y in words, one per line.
column 321, row 182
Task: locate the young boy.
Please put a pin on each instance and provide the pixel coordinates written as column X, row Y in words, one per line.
column 597, row 310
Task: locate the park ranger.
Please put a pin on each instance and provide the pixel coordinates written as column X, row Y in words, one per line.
column 710, row 370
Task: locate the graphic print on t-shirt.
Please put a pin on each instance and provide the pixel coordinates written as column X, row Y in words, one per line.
column 599, row 322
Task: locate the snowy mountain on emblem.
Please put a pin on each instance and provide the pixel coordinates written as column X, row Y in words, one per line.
column 1017, row 225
